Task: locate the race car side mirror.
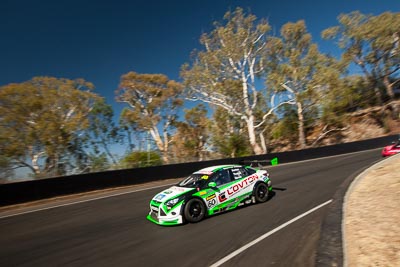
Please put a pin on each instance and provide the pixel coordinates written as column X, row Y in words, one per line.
column 212, row 184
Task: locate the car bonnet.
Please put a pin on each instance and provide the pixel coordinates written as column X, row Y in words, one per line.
column 171, row 193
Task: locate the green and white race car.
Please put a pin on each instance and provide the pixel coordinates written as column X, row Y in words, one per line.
column 208, row 192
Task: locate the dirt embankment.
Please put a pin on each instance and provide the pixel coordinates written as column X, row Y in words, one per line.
column 371, row 221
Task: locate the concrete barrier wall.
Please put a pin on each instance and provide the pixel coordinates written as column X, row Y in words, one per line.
column 20, row 192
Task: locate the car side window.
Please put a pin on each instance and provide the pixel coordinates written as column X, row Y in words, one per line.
column 250, row 171
column 238, row 173
column 222, row 177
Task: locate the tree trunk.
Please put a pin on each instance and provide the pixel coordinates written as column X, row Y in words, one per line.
column 252, row 136
column 389, row 87
column 160, row 145
column 302, row 138
column 263, row 143
column 378, row 95
column 200, row 148
column 35, row 165
column 165, row 155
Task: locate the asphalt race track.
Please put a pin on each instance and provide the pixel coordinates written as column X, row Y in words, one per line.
column 114, row 231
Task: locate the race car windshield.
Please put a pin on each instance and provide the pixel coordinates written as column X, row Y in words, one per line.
column 194, row 180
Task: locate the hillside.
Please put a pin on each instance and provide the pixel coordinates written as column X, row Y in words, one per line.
column 359, row 125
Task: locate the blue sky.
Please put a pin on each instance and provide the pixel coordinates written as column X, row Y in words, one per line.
column 102, row 40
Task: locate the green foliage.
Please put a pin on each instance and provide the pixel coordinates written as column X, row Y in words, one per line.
column 6, row 170
column 373, row 44
column 140, row 159
column 227, row 135
column 349, row 95
column 234, row 145
column 41, row 123
column 128, row 126
column 99, row 162
column 103, row 132
column 287, row 126
column 191, row 137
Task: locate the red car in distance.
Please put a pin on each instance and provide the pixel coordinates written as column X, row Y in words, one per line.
column 392, row 149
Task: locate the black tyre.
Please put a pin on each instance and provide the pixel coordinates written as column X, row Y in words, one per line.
column 261, row 192
column 194, row 211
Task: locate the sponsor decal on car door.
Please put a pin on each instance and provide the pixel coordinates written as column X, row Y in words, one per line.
column 241, row 187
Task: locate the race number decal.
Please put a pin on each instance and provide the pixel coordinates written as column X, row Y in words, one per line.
column 211, row 203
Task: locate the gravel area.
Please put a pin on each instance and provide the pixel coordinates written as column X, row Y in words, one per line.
column 371, row 220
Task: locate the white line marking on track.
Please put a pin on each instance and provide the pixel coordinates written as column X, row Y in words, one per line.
column 86, row 200
column 255, row 241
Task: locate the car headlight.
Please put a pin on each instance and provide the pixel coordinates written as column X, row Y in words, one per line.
column 172, row 202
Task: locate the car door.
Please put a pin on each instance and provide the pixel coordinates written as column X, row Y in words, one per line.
column 244, row 180
column 232, row 185
column 221, row 178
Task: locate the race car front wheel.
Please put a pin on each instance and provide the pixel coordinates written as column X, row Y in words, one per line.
column 194, row 211
column 261, row 192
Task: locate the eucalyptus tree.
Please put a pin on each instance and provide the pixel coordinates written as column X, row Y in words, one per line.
column 130, row 130
column 153, row 102
column 42, row 123
column 6, row 170
column 190, row 140
column 99, row 162
column 228, row 73
column 348, row 95
column 228, row 136
column 103, row 132
column 373, row 44
column 294, row 66
column 139, row 159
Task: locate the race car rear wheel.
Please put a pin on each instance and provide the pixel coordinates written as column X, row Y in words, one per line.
column 261, row 192
column 194, row 211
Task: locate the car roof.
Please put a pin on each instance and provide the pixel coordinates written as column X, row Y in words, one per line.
column 212, row 169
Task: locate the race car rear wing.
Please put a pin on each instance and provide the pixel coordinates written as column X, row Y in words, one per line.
column 260, row 163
